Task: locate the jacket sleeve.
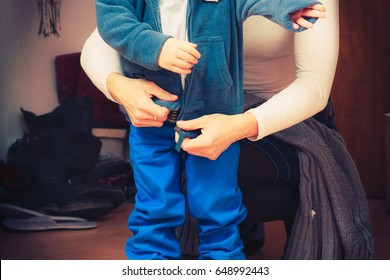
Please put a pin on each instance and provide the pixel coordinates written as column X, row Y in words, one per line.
column 120, row 27
column 277, row 11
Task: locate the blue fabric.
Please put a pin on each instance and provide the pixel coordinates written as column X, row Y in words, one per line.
column 216, row 201
column 212, row 193
column 171, row 105
column 185, row 134
column 159, row 204
column 175, row 106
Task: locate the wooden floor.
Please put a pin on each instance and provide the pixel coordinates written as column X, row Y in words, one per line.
column 106, row 242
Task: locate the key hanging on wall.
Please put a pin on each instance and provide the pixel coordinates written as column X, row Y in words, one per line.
column 49, row 11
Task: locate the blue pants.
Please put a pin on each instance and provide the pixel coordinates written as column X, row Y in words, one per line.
column 212, row 195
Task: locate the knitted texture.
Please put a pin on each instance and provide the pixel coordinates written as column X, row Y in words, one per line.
column 333, row 220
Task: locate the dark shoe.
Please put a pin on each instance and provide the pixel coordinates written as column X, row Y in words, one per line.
column 253, row 247
column 97, row 191
column 51, row 202
column 84, row 208
column 49, row 192
column 253, row 237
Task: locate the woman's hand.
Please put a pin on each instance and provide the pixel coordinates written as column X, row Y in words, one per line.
column 135, row 95
column 218, row 132
column 314, row 11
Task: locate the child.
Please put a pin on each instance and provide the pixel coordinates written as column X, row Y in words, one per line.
column 206, row 75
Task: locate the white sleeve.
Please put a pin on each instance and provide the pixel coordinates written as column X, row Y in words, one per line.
column 316, row 54
column 99, row 60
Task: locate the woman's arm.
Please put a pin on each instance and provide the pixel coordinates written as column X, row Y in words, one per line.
column 316, row 55
column 99, row 60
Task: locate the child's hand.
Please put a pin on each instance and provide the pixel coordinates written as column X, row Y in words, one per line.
column 315, row 11
column 178, row 56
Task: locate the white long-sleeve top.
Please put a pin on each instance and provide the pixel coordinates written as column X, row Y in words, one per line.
column 293, row 71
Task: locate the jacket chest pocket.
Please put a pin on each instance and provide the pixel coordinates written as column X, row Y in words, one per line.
column 210, row 89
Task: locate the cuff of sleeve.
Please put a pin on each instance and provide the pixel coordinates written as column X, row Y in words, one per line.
column 147, row 50
column 259, row 126
column 103, row 86
column 292, row 6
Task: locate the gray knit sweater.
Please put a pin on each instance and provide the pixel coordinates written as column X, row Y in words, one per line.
column 333, row 220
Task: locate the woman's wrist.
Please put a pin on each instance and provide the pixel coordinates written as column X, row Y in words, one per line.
column 245, row 125
column 113, row 82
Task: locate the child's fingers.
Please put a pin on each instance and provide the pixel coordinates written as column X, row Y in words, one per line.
column 295, row 25
column 313, row 13
column 318, row 7
column 179, row 70
column 194, row 52
column 190, row 48
column 182, row 64
column 185, row 56
column 316, row 11
column 300, row 21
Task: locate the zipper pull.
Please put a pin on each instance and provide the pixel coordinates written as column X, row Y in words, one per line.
column 185, row 133
column 173, row 106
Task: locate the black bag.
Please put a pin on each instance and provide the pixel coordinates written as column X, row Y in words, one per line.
column 57, row 147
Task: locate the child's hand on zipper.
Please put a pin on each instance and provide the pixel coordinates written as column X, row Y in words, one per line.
column 178, row 56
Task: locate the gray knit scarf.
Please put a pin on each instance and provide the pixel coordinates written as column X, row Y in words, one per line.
column 333, row 220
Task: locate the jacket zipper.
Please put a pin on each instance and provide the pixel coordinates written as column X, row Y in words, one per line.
column 188, row 79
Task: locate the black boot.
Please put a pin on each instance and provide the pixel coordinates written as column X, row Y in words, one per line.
column 73, row 114
column 96, row 190
column 49, row 191
column 61, row 150
column 253, row 237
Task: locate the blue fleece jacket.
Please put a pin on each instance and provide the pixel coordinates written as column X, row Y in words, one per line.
column 133, row 28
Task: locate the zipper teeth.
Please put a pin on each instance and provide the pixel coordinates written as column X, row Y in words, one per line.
column 182, row 91
column 188, row 79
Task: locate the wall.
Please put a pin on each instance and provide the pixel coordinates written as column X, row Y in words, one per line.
column 27, row 60
column 361, row 91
